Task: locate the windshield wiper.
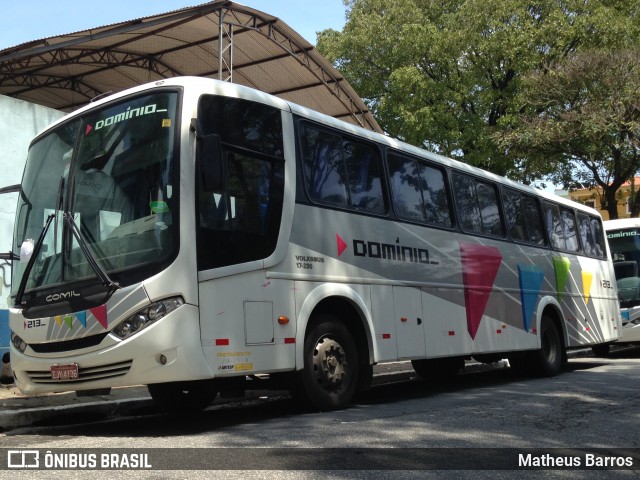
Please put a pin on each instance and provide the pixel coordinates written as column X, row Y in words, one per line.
column 95, row 266
column 32, row 260
column 91, row 259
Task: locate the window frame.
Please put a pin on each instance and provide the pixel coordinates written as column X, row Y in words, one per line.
column 343, row 137
column 420, row 163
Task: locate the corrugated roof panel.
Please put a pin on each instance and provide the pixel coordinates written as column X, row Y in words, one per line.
column 66, row 71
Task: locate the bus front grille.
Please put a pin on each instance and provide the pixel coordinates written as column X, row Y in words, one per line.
column 68, row 345
column 87, row 374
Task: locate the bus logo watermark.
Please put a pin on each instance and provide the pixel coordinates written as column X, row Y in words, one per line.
column 23, row 459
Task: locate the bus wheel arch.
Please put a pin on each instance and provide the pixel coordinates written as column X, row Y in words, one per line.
column 341, row 321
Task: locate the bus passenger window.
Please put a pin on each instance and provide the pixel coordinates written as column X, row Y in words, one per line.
column 569, row 228
column 489, row 209
column 436, row 199
column 341, row 172
column 467, row 203
column 513, row 215
column 533, row 220
column 477, row 206
column 554, row 227
column 405, row 188
column 365, row 184
column 598, row 237
column 591, row 236
column 522, row 217
column 324, row 171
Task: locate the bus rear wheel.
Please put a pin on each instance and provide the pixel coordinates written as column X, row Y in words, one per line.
column 547, row 361
column 183, row 398
column 329, row 378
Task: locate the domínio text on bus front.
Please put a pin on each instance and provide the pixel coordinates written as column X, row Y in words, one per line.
column 198, row 236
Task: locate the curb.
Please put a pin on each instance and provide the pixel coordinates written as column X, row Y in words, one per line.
column 55, row 415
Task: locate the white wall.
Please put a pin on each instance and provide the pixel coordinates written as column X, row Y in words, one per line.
column 19, row 122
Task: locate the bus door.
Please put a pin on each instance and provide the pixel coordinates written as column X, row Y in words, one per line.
column 407, row 306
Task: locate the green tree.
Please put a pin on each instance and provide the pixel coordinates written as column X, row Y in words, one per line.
column 442, row 74
column 581, row 121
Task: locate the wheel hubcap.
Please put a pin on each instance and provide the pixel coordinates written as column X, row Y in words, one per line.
column 329, row 363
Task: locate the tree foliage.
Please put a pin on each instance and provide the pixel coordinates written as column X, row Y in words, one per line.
column 581, row 121
column 445, row 74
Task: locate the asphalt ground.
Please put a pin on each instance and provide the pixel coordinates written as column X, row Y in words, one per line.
column 20, row 410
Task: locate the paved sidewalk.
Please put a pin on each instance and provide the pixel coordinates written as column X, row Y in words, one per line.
column 20, row 410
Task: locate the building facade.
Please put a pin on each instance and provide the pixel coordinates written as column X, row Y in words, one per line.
column 593, row 197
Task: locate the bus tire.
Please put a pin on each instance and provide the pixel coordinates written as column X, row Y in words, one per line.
column 547, row 360
column 329, row 378
column 183, row 398
column 438, row 369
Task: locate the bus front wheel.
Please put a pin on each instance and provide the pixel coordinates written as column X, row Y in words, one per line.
column 329, row 378
column 183, row 398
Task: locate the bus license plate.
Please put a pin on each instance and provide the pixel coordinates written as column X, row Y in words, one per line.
column 64, row 372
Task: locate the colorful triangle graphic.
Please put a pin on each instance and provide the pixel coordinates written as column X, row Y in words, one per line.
column 101, row 314
column 342, row 246
column 530, row 279
column 82, row 317
column 561, row 266
column 587, row 279
column 480, row 266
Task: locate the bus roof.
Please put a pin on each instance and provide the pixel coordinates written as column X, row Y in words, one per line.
column 240, row 91
column 621, row 223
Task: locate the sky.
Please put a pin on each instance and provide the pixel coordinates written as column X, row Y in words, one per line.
column 28, row 20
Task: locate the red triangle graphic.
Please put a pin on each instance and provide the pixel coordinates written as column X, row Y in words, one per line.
column 342, row 246
column 101, row 314
column 88, row 129
column 480, row 266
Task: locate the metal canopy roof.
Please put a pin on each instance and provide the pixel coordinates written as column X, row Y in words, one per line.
column 220, row 39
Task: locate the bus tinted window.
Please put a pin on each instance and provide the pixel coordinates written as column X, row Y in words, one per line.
column 239, row 216
column 570, row 230
column 341, row 172
column 533, row 220
column 561, row 227
column 522, row 216
column 477, row 205
column 419, row 191
column 241, row 122
column 591, row 236
column 363, row 170
column 514, row 215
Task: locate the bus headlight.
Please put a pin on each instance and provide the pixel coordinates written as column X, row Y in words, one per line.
column 19, row 343
column 145, row 317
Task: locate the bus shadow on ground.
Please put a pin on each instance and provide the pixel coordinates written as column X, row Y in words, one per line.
column 146, row 420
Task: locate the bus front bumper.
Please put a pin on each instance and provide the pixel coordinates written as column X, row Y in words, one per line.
column 169, row 350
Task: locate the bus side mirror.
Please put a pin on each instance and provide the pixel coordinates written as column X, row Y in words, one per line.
column 210, row 161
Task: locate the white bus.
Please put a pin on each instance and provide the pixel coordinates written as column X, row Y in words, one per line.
column 623, row 236
column 198, row 236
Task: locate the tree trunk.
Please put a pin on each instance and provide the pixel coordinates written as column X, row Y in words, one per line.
column 612, row 204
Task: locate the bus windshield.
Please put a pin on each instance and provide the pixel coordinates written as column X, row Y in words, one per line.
column 625, row 250
column 112, row 172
